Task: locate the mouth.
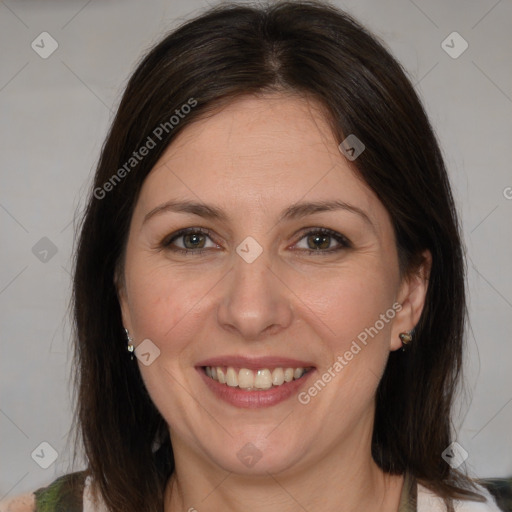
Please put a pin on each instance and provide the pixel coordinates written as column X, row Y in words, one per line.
column 254, row 380
column 253, row 383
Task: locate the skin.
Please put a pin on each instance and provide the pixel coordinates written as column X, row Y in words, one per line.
column 253, row 159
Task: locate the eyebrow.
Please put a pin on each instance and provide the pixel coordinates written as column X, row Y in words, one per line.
column 295, row 211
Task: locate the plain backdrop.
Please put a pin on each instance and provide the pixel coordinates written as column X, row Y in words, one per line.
column 55, row 112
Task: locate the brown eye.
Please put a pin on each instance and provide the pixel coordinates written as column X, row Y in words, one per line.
column 190, row 240
column 195, row 240
column 319, row 241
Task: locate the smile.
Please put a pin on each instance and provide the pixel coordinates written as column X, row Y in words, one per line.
column 251, row 380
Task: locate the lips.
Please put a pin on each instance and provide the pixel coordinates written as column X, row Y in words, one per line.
column 254, row 382
column 255, row 363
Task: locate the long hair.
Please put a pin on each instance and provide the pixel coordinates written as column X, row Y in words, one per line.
column 308, row 48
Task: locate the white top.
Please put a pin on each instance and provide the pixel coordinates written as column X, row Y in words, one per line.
column 88, row 503
column 430, row 502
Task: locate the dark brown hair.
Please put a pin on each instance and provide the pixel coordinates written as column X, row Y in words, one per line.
column 310, row 49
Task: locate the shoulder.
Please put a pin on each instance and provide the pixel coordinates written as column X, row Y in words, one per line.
column 430, row 502
column 21, row 503
column 63, row 494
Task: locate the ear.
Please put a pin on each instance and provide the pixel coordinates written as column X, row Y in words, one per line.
column 411, row 296
column 120, row 285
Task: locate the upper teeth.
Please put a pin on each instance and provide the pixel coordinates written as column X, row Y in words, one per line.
column 248, row 379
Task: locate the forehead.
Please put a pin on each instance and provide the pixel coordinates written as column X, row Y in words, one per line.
column 258, row 151
column 259, row 131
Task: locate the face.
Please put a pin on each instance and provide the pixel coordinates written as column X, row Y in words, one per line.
column 260, row 283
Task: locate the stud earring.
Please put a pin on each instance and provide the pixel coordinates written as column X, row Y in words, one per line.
column 130, row 346
column 405, row 338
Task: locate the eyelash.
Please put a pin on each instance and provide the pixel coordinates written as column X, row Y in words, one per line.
column 343, row 241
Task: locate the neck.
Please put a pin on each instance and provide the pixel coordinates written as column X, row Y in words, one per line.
column 349, row 481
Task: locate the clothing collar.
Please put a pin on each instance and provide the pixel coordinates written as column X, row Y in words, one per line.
column 409, row 496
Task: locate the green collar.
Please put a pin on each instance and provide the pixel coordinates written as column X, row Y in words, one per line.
column 63, row 494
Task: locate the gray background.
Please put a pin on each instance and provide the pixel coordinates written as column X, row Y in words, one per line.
column 54, row 117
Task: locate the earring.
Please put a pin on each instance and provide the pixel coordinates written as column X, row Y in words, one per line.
column 405, row 338
column 130, row 346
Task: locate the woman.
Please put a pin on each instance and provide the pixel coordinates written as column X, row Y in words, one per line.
column 269, row 282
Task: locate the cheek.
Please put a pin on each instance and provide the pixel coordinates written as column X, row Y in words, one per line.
column 351, row 301
column 356, row 309
column 163, row 302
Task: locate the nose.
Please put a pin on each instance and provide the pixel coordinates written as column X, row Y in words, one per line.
column 256, row 301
